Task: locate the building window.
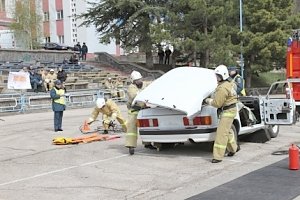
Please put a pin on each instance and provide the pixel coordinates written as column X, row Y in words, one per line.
column 60, row 15
column 46, row 16
column 61, row 39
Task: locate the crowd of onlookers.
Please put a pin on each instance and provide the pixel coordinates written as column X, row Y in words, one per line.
column 43, row 79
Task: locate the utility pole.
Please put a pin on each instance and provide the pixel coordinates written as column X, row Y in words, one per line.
column 241, row 30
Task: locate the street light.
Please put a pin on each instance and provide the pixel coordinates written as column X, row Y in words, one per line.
column 241, row 30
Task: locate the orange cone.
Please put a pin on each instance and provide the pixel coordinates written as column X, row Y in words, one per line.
column 86, row 126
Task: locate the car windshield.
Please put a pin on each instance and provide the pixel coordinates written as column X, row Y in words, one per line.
column 182, row 89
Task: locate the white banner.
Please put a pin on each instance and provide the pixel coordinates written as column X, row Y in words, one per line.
column 18, row 80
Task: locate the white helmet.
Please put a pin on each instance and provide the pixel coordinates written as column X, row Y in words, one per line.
column 135, row 75
column 100, row 102
column 222, row 71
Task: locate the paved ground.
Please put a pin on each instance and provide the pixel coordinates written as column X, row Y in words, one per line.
column 32, row 168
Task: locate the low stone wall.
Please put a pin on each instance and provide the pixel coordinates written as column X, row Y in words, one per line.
column 13, row 55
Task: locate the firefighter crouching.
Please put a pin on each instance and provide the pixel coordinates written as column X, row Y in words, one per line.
column 110, row 112
column 225, row 98
column 134, row 88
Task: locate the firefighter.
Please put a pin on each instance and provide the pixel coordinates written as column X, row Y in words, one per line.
column 110, row 86
column 134, row 88
column 110, row 112
column 238, row 80
column 225, row 99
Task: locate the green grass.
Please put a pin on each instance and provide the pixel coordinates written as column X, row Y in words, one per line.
column 265, row 79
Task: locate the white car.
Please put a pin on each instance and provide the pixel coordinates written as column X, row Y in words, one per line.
column 175, row 112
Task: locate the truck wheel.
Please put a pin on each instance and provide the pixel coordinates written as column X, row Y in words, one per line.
column 273, row 130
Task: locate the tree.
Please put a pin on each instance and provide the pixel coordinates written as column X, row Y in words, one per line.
column 266, row 30
column 27, row 24
column 202, row 29
column 127, row 21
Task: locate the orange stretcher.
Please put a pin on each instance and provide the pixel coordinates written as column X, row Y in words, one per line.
column 84, row 139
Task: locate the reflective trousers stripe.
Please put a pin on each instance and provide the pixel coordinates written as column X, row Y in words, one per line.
column 228, row 114
column 220, row 146
column 131, row 134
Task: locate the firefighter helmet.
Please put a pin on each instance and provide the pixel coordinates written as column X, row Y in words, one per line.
column 135, row 75
column 100, row 102
column 222, row 71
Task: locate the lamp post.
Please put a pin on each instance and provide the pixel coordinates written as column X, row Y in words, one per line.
column 241, row 30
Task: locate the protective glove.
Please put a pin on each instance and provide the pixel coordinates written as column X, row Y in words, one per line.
column 90, row 121
column 208, row 101
column 111, row 123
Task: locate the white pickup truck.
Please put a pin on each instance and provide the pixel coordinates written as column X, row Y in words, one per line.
column 175, row 112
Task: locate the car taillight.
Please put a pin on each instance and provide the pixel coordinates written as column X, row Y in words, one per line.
column 203, row 120
column 147, row 123
column 186, row 121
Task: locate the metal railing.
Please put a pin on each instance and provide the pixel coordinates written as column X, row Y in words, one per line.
column 25, row 102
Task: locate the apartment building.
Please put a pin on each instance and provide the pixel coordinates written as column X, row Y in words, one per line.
column 6, row 17
column 60, row 25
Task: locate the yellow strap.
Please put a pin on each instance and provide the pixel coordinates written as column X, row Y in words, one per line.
column 220, row 146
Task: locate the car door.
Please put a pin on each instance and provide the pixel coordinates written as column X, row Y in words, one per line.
column 278, row 106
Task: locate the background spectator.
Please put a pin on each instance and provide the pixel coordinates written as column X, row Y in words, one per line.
column 119, row 83
column 49, row 80
column 62, row 75
column 77, row 47
column 74, row 59
column 35, row 79
column 84, row 51
column 168, row 52
column 161, row 55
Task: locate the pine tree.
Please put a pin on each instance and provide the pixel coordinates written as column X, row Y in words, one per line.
column 127, row 21
column 266, row 30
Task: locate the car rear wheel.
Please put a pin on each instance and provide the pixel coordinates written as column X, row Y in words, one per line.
column 273, row 130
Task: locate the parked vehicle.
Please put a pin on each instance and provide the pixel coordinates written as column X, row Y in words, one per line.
column 176, row 112
column 56, row 46
column 293, row 67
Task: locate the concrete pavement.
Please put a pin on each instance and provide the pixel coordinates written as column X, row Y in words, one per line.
column 33, row 168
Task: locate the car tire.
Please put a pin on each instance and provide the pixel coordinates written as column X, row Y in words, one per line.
column 273, row 130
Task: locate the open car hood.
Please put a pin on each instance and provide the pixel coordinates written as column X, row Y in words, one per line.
column 182, row 89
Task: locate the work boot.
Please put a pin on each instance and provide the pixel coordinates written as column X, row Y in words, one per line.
column 230, row 154
column 131, row 150
column 105, row 132
column 215, row 161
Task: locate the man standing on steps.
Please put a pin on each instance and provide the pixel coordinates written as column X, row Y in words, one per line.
column 84, row 51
